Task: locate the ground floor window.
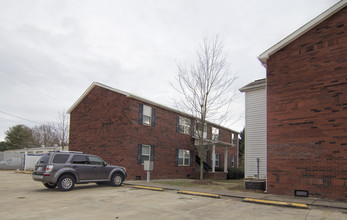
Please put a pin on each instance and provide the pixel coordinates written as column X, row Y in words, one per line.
column 183, row 157
column 232, row 161
column 145, row 152
column 216, row 161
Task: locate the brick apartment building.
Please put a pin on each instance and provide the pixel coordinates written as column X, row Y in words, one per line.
column 307, row 108
column 126, row 130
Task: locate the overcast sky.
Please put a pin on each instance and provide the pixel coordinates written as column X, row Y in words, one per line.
column 51, row 51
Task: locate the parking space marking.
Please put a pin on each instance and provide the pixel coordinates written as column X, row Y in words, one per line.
column 200, row 194
column 149, row 188
column 269, row 202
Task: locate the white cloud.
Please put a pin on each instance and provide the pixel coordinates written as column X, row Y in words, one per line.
column 51, row 51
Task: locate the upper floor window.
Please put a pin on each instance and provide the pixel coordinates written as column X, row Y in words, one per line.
column 183, row 125
column 147, row 115
column 215, row 133
column 198, row 129
column 233, row 138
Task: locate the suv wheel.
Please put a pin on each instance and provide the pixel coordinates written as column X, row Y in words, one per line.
column 66, row 183
column 117, row 179
column 50, row 185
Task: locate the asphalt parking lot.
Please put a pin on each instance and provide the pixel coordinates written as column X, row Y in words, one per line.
column 22, row 198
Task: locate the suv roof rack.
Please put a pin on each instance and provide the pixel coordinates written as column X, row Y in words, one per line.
column 66, row 151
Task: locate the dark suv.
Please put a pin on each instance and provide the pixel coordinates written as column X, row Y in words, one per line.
column 64, row 169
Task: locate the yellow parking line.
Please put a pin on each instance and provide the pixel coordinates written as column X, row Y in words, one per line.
column 199, row 194
column 269, row 202
column 148, row 187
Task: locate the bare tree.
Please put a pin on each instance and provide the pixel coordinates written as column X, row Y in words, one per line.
column 45, row 135
column 206, row 90
column 62, row 128
column 52, row 133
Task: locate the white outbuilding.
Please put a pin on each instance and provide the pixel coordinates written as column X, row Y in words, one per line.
column 255, row 132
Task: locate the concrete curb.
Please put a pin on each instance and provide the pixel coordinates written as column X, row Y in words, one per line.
column 266, row 197
column 216, row 196
column 277, row 203
column 149, row 188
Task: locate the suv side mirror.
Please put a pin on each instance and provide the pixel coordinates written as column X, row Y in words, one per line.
column 105, row 164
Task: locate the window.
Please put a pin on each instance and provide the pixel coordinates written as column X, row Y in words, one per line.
column 215, row 134
column 80, row 159
column 147, row 115
column 232, row 161
column 233, row 138
column 216, row 161
column 198, row 130
column 60, row 158
column 95, row 161
column 145, row 152
column 183, row 157
column 44, row 158
column 183, row 125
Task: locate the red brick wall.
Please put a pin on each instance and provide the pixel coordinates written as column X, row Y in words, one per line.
column 100, row 125
column 307, row 113
column 165, row 140
column 107, row 124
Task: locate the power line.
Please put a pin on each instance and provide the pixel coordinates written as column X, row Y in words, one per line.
column 19, row 117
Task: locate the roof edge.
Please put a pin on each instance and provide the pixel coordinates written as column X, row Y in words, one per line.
column 129, row 95
column 257, row 84
column 90, row 89
column 302, row 30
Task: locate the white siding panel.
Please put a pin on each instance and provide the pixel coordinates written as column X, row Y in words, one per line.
column 255, row 140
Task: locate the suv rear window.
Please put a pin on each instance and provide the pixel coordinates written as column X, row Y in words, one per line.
column 44, row 158
column 60, row 158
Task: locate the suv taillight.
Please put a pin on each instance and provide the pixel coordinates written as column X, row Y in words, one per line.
column 49, row 168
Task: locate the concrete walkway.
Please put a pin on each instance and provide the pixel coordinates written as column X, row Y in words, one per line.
column 310, row 201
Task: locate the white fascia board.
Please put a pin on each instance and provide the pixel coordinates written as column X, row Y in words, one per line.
column 254, row 86
column 129, row 95
column 176, row 111
column 302, row 30
column 81, row 98
column 90, row 89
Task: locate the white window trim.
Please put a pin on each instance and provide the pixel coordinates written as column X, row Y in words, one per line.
column 184, row 157
column 233, row 138
column 184, row 125
column 147, row 112
column 215, row 133
column 232, row 161
column 216, row 160
column 149, row 152
column 205, row 130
